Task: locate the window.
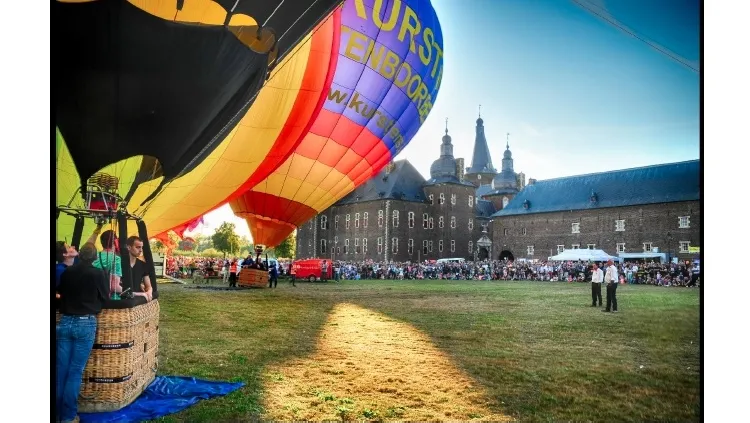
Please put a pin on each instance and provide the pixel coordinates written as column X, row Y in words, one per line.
column 323, row 222
column 410, row 246
column 395, row 218
column 394, row 247
column 505, row 202
column 560, row 249
column 530, row 250
column 453, row 246
column 471, row 224
column 441, row 199
column 471, row 201
column 410, row 218
column 336, row 222
column 356, row 220
column 591, row 246
column 323, row 249
column 505, row 231
column 619, row 225
column 424, row 247
column 684, row 222
column 432, row 224
column 471, row 246
column 347, row 221
column 366, row 218
column 453, row 199
column 684, row 246
column 440, row 245
column 453, row 222
column 309, row 243
column 575, row 228
column 647, row 247
column 575, row 246
column 432, row 200
column 620, row 247
column 380, row 245
column 338, row 250
column 441, row 222
column 346, row 246
column 364, row 245
column 523, row 231
column 380, row 218
column 356, row 246
column 425, row 221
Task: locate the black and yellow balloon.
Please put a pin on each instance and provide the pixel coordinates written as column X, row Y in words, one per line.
column 146, row 90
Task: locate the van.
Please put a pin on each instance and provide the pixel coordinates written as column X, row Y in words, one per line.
column 451, row 260
column 311, row 269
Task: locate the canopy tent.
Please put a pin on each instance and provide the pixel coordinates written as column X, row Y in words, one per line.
column 584, row 254
column 662, row 257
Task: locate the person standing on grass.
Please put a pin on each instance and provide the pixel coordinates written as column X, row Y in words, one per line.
column 83, row 290
column 597, row 277
column 273, row 279
column 611, row 279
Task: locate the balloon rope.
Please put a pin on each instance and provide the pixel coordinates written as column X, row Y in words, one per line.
column 214, row 139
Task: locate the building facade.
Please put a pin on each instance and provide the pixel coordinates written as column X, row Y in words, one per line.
column 642, row 211
column 482, row 213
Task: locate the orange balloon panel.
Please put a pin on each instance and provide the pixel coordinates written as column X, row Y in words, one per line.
column 263, row 140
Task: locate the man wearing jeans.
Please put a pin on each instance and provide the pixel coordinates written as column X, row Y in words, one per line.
column 611, row 280
column 83, row 291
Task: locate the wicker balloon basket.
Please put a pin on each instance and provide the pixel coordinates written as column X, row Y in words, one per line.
column 123, row 361
column 253, row 278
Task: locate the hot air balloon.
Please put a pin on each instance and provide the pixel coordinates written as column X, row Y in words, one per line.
column 387, row 78
column 166, row 79
column 260, row 142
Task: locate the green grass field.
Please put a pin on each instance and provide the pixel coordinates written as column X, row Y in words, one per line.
column 537, row 349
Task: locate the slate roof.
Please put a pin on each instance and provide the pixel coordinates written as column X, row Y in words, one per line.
column 661, row 183
column 403, row 179
column 481, row 161
column 483, row 190
column 484, row 208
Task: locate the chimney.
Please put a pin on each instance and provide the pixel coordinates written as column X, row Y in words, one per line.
column 532, row 181
column 460, row 168
column 521, row 180
column 389, row 167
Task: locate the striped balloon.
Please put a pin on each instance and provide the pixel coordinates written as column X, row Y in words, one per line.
column 386, row 80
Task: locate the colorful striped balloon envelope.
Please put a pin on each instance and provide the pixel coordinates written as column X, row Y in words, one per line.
column 388, row 73
column 264, row 137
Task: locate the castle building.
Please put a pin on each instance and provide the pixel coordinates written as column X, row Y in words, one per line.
column 481, row 213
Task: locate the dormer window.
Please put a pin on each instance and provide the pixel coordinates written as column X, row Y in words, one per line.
column 526, row 204
column 594, row 198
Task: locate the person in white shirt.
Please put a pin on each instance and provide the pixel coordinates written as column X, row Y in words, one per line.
column 610, row 278
column 597, row 277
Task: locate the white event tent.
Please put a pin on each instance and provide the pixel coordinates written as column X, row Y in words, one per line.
column 583, row 254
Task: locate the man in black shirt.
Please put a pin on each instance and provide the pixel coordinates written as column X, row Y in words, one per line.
column 83, row 291
column 141, row 282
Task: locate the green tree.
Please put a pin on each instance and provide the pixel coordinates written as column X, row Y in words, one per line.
column 287, row 247
column 156, row 245
column 225, row 239
column 204, row 242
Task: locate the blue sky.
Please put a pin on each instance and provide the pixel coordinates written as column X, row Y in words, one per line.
column 576, row 94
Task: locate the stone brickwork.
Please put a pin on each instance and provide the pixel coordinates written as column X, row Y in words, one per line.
column 657, row 224
column 368, row 232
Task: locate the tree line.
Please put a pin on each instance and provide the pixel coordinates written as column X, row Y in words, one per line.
column 224, row 242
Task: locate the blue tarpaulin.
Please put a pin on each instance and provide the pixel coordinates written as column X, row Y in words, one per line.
column 165, row 395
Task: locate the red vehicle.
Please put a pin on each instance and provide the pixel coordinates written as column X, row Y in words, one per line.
column 312, row 269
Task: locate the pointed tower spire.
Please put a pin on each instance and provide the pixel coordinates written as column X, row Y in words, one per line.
column 446, row 126
column 481, row 161
column 507, row 145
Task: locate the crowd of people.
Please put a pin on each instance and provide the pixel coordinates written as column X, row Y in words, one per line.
column 636, row 272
